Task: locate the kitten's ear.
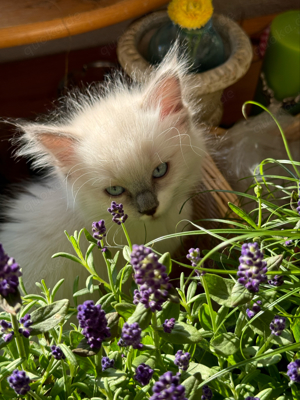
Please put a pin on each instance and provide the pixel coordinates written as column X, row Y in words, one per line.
column 49, row 145
column 166, row 94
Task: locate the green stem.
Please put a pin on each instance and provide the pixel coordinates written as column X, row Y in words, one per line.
column 110, row 278
column 19, row 339
column 65, row 378
column 127, row 236
column 265, row 346
column 98, row 361
column 46, row 373
column 234, row 272
column 211, row 311
column 259, row 213
column 34, row 395
column 156, row 340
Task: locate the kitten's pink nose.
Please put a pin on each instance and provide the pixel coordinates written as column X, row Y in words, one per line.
column 147, row 203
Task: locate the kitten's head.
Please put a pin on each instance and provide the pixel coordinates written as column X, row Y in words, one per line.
column 135, row 145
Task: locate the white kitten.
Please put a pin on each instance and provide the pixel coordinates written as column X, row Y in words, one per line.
column 135, row 145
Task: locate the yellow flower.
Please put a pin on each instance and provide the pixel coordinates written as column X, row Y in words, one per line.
column 190, row 14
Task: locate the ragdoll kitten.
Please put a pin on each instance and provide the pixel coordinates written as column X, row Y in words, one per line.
column 135, row 145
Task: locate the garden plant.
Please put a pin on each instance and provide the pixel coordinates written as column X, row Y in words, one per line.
column 228, row 328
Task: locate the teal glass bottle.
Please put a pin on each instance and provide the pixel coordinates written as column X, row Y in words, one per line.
column 204, row 46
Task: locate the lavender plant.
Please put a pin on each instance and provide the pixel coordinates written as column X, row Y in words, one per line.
column 232, row 333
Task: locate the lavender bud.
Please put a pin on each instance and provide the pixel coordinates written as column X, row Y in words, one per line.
column 182, row 360
column 168, row 325
column 6, row 330
column 107, row 363
column 294, row 371
column 252, row 268
column 277, row 280
column 168, row 388
column 93, row 322
column 116, row 210
column 206, row 393
column 99, row 231
column 25, row 322
column 19, row 382
column 143, row 374
column 252, row 398
column 277, row 325
column 57, row 352
column 131, row 335
column 9, row 274
column 194, row 256
column 255, row 309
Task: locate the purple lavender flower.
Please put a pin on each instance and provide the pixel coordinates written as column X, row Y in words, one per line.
column 252, row 398
column 19, row 382
column 121, row 343
column 252, row 268
column 168, row 325
column 182, row 360
column 99, row 231
column 143, row 374
column 168, row 388
column 277, row 325
column 152, row 278
column 277, row 280
column 206, row 393
column 298, row 208
column 9, row 274
column 294, row 371
column 255, row 309
column 57, row 352
column 6, row 330
column 194, row 256
column 117, row 212
column 131, row 335
column 93, row 322
column 107, row 363
column 289, row 242
column 25, row 325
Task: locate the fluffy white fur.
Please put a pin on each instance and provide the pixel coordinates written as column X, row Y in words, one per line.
column 110, row 136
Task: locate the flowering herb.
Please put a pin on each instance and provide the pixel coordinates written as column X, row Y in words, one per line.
column 277, row 280
column 19, row 382
column 252, row 268
column 255, row 309
column 168, row 325
column 99, row 231
column 116, row 210
column 277, row 325
column 57, row 352
column 168, row 387
column 152, row 278
column 131, row 335
column 25, row 325
column 190, row 14
column 93, row 322
column 294, row 371
column 252, row 398
column 9, row 274
column 206, row 393
column 143, row 374
column 106, row 362
column 6, row 330
column 194, row 256
column 182, row 360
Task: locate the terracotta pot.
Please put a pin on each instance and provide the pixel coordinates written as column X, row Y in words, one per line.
column 209, row 85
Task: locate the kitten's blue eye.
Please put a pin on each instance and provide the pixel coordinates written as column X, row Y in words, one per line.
column 115, row 190
column 160, row 171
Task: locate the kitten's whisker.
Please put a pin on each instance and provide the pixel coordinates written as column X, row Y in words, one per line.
column 81, row 187
column 72, row 189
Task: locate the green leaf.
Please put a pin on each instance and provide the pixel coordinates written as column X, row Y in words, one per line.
column 296, row 325
column 126, row 253
column 75, row 338
column 125, row 309
column 204, row 317
column 71, row 359
column 67, row 255
column 166, row 260
column 145, row 358
column 141, row 315
column 112, row 323
column 84, row 350
column 114, row 378
column 240, row 295
column 124, row 274
column 85, row 290
column 89, row 258
column 191, row 386
column 273, row 263
column 242, row 214
column 182, row 333
column 83, row 387
column 266, row 362
column 191, row 290
column 8, row 369
column 47, row 317
column 264, row 394
column 89, row 284
column 220, row 289
column 56, row 287
column 169, row 310
column 225, row 344
column 89, row 237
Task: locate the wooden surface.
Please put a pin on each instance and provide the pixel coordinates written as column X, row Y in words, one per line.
column 28, row 21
